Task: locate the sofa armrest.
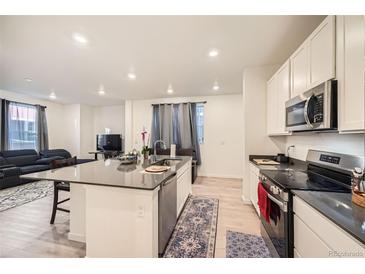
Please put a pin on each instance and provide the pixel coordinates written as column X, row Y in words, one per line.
column 6, row 166
column 48, row 161
column 9, row 171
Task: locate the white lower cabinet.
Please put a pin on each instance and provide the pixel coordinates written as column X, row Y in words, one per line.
column 315, row 236
column 254, row 180
column 183, row 185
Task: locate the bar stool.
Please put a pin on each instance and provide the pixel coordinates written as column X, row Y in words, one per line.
column 60, row 186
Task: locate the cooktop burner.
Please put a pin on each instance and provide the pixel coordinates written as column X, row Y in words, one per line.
column 299, row 180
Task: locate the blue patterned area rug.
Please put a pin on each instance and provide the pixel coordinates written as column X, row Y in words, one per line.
column 195, row 232
column 241, row 245
column 19, row 195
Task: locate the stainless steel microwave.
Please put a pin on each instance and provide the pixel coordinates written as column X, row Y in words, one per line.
column 313, row 110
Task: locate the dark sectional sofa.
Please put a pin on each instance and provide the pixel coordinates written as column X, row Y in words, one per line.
column 14, row 163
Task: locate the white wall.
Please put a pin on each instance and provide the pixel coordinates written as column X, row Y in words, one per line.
column 71, row 131
column 108, row 117
column 54, row 113
column 353, row 144
column 74, row 127
column 223, row 141
column 87, row 133
column 255, row 138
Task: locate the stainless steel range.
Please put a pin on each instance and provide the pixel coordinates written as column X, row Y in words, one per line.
column 326, row 171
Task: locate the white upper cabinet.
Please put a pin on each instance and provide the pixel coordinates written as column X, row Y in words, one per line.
column 299, row 70
column 351, row 72
column 314, row 61
column 278, row 90
column 322, row 52
column 283, row 95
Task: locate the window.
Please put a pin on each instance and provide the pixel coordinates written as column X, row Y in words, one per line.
column 22, row 126
column 200, row 122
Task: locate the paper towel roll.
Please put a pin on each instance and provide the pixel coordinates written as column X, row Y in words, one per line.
column 173, row 151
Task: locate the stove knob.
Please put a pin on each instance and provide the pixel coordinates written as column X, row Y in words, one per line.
column 275, row 190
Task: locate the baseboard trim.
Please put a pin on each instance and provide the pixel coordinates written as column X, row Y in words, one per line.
column 245, row 201
column 219, row 176
column 76, row 237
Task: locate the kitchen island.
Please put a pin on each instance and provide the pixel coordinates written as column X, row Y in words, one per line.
column 114, row 207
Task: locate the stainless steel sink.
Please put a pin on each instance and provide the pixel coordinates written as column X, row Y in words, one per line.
column 167, row 162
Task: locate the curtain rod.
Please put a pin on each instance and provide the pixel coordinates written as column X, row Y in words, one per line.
column 23, row 103
column 202, row 102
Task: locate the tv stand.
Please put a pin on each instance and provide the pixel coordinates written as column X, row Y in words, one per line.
column 106, row 154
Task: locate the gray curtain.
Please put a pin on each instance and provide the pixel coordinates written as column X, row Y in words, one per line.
column 4, row 124
column 42, row 128
column 194, row 131
column 176, row 124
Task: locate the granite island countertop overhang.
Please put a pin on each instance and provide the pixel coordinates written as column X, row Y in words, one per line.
column 111, row 173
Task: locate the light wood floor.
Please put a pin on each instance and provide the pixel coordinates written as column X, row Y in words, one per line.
column 233, row 214
column 25, row 230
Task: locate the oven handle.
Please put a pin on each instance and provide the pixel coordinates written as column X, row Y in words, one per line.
column 306, row 117
column 283, row 205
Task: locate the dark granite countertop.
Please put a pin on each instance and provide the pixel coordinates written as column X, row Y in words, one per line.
column 110, row 172
column 336, row 206
column 339, row 208
column 293, row 164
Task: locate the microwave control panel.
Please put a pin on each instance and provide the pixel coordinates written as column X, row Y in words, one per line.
column 318, row 109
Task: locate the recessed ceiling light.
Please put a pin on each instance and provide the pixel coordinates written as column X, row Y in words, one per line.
column 101, row 90
column 132, row 76
column 170, row 90
column 79, row 38
column 213, row 53
column 52, row 96
column 28, row 79
column 216, row 86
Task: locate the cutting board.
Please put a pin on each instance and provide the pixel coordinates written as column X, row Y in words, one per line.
column 265, row 162
column 157, row 169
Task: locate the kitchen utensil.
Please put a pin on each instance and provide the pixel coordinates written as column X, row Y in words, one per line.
column 173, row 151
column 281, row 158
column 358, row 189
column 357, row 178
column 358, row 198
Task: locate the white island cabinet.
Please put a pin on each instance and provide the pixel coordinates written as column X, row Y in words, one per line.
column 351, row 72
column 315, row 236
column 183, row 185
column 115, row 210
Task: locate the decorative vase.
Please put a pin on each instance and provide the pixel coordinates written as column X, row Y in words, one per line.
column 146, row 153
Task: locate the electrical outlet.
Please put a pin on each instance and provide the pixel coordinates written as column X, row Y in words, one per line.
column 140, row 211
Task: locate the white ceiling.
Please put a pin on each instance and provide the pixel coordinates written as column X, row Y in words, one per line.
column 159, row 49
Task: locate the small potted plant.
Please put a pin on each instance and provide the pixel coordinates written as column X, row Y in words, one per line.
column 145, row 150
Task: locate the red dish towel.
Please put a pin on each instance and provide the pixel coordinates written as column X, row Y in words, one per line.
column 263, row 202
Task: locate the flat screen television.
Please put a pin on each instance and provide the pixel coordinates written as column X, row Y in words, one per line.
column 109, row 142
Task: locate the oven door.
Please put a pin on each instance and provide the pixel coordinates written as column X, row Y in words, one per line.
column 276, row 232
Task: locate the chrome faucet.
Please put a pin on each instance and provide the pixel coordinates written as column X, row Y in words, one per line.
column 154, row 148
